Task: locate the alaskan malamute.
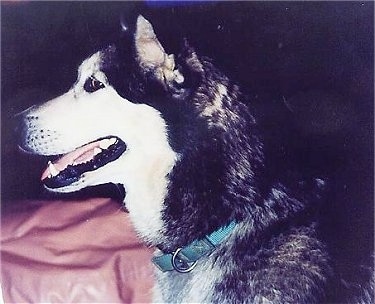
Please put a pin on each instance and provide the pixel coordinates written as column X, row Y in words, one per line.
column 174, row 131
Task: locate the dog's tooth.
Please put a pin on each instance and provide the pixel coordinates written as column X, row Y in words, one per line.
column 105, row 143
column 97, row 151
column 52, row 169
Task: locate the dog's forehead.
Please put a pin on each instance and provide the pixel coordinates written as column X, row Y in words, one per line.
column 90, row 66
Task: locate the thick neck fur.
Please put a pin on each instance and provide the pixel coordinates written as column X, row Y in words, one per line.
column 218, row 177
column 214, row 181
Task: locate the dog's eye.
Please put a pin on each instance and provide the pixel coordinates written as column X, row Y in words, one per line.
column 92, row 84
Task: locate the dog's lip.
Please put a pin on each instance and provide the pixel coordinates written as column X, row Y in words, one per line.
column 68, row 159
column 80, row 155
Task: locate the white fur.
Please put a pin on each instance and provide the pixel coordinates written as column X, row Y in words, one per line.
column 221, row 92
column 78, row 117
column 215, row 106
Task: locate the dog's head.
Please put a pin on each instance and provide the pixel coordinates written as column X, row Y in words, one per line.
column 103, row 129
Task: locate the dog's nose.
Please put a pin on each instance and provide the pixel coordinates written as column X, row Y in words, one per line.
column 25, row 112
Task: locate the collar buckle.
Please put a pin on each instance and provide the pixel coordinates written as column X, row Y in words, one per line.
column 180, row 265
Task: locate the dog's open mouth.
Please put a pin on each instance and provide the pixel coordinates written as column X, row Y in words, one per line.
column 68, row 168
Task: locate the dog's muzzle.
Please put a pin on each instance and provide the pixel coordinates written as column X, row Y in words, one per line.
column 64, row 169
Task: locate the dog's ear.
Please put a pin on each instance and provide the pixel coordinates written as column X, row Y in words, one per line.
column 152, row 57
column 150, row 52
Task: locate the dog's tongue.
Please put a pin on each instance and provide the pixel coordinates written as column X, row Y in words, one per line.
column 78, row 156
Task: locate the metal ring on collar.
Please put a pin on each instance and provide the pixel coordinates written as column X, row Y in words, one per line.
column 178, row 268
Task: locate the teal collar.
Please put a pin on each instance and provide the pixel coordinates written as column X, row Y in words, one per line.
column 185, row 259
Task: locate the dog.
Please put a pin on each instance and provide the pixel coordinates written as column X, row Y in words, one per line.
column 179, row 136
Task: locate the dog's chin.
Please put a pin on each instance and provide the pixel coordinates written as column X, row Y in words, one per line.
column 67, row 172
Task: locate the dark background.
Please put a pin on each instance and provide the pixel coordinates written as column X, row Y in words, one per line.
column 307, row 67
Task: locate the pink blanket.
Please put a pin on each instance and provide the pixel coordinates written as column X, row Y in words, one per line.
column 73, row 251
